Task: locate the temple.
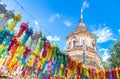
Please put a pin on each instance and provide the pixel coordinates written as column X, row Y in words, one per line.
column 81, row 45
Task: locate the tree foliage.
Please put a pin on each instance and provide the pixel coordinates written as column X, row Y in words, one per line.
column 106, row 65
column 115, row 54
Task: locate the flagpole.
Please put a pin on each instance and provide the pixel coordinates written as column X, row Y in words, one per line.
column 84, row 53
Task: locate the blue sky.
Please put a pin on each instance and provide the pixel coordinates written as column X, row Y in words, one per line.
column 58, row 18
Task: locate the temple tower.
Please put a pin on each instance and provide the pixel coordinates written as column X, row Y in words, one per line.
column 81, row 45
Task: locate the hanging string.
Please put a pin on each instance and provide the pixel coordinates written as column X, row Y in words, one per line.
column 34, row 19
column 29, row 14
column 24, row 9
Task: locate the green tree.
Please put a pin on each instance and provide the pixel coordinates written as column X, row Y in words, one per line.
column 115, row 54
column 106, row 65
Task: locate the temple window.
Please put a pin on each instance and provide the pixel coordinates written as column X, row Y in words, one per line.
column 74, row 43
column 69, row 45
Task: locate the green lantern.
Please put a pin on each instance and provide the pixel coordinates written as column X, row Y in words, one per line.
column 43, row 39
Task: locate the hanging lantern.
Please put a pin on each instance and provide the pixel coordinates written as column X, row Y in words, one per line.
column 34, row 39
column 16, row 18
column 3, row 35
column 107, row 74
column 46, row 47
column 11, row 35
column 14, row 48
column 23, row 27
column 29, row 32
column 25, row 55
column 38, row 36
column 50, row 51
column 2, row 8
column 114, row 73
column 13, row 41
column 8, row 15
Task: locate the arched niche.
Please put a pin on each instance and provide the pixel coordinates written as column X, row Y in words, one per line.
column 75, row 41
column 69, row 45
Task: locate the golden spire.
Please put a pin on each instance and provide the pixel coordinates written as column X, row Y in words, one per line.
column 81, row 18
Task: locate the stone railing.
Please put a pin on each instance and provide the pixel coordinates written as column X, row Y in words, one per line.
column 81, row 47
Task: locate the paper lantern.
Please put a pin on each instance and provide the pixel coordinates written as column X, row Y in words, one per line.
column 23, row 27
column 29, row 32
column 2, row 8
column 46, row 47
column 8, row 15
column 3, row 35
column 16, row 19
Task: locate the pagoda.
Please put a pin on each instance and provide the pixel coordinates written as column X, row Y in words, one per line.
column 81, row 45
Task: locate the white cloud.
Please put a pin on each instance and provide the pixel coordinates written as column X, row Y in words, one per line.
column 104, row 34
column 35, row 22
column 105, row 55
column 68, row 23
column 119, row 31
column 53, row 38
column 55, row 16
column 84, row 5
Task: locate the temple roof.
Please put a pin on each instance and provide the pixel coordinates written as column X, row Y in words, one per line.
column 81, row 29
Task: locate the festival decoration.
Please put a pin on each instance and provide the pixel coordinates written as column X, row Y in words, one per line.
column 39, row 35
column 43, row 39
column 51, row 63
column 25, row 55
column 13, row 41
column 11, row 35
column 16, row 18
column 14, row 48
column 29, row 32
column 3, row 35
column 2, row 8
column 23, row 27
column 7, row 15
column 34, row 39
column 46, row 47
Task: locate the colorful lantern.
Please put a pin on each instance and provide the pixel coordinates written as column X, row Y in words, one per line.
column 29, row 32
column 2, row 8
column 43, row 39
column 16, row 18
column 23, row 27
column 8, row 15
column 3, row 35
column 46, row 47
column 11, row 35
